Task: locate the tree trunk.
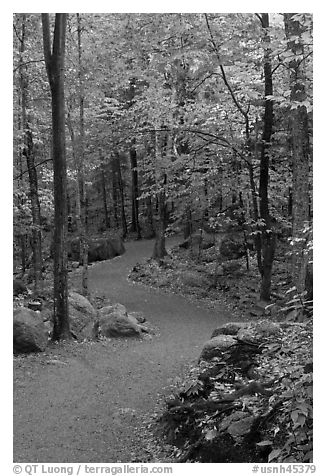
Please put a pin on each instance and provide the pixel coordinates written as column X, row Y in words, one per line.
column 54, row 61
column 134, row 192
column 28, row 152
column 149, row 217
column 268, row 239
column 300, row 149
column 80, row 166
column 187, row 227
column 114, row 192
column 105, row 201
column 159, row 247
column 121, row 191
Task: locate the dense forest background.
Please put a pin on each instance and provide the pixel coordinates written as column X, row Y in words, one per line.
column 141, row 126
column 186, row 123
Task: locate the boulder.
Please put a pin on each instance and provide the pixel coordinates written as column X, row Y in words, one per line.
column 230, row 328
column 197, row 240
column 140, row 319
column 30, row 333
column 83, row 316
column 19, row 287
column 35, row 305
column 255, row 333
column 241, row 427
column 117, row 245
column 98, row 249
column 217, row 345
column 267, row 329
column 115, row 322
column 248, row 334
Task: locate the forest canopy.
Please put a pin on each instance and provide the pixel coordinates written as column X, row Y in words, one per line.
column 173, row 123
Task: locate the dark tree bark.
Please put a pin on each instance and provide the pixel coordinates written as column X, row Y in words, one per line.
column 159, row 247
column 161, row 181
column 54, row 61
column 28, row 152
column 300, row 149
column 187, row 225
column 80, row 165
column 134, row 192
column 181, row 70
column 268, row 238
column 114, row 192
column 105, row 200
column 117, row 167
column 147, row 185
column 149, row 217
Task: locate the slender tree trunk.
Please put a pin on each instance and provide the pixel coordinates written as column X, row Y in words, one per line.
column 54, row 61
column 149, row 217
column 300, row 149
column 187, row 227
column 268, row 238
column 28, row 152
column 114, row 191
column 134, row 192
column 105, row 201
column 80, row 166
column 121, row 191
column 147, row 185
column 159, row 247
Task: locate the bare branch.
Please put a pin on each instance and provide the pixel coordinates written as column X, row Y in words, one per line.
column 259, row 17
column 28, row 62
column 16, row 32
column 227, row 84
column 17, row 177
column 203, row 80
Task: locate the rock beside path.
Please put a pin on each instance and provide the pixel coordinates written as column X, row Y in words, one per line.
column 99, row 249
column 114, row 321
column 83, row 317
column 216, row 345
column 29, row 331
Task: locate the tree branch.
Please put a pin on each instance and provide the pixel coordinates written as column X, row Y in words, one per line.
column 236, row 102
column 259, row 17
column 202, row 81
column 16, row 32
column 17, row 177
column 28, row 62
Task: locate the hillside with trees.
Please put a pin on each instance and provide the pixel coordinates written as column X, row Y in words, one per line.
column 189, row 136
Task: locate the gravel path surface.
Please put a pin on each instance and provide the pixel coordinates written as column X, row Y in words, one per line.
column 86, row 402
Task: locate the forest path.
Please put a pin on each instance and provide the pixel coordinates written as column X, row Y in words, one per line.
column 85, row 402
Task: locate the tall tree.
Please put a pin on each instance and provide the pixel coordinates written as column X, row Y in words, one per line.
column 135, row 227
column 81, row 165
column 55, row 61
column 268, row 239
column 29, row 153
column 161, row 182
column 295, row 29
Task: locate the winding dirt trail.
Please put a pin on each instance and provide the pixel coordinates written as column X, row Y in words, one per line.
column 85, row 402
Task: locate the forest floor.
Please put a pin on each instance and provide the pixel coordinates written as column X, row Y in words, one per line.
column 92, row 401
